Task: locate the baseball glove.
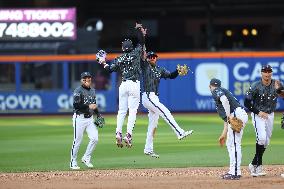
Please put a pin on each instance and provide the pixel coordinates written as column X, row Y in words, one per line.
column 99, row 121
column 182, row 70
column 236, row 124
column 101, row 56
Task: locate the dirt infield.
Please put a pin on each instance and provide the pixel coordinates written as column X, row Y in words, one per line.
column 175, row 178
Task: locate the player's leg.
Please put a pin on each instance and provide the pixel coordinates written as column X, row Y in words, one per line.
column 233, row 143
column 122, row 111
column 93, row 135
column 152, row 126
column 259, row 126
column 158, row 107
column 79, row 126
column 133, row 104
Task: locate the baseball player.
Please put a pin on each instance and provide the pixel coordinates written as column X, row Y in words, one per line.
column 152, row 75
column 129, row 90
column 227, row 107
column 84, row 108
column 261, row 100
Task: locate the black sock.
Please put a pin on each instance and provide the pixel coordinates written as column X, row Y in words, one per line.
column 255, row 160
column 262, row 149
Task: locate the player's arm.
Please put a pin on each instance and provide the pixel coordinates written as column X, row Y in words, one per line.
column 226, row 104
column 279, row 88
column 223, row 135
column 167, row 74
column 249, row 102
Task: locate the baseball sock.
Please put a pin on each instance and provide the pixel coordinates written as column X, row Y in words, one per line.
column 262, row 149
column 255, row 160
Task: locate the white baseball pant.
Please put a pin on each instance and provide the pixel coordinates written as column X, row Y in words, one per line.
column 80, row 124
column 263, row 128
column 152, row 103
column 233, row 142
column 129, row 98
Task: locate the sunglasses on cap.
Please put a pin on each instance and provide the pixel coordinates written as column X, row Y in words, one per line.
column 266, row 71
column 152, row 57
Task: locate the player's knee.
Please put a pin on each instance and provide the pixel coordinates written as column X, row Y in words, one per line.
column 133, row 111
column 261, row 141
column 122, row 112
column 94, row 140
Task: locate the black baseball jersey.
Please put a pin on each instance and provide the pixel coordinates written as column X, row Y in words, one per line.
column 216, row 94
column 82, row 98
column 128, row 64
column 261, row 98
column 152, row 75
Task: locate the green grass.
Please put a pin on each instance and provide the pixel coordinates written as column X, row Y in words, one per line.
column 44, row 143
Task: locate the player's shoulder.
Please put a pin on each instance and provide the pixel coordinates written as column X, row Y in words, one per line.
column 218, row 92
column 256, row 84
column 78, row 89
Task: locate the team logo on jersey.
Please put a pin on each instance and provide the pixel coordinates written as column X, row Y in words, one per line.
column 205, row 72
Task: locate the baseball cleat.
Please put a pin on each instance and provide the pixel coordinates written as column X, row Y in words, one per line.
column 128, row 140
column 185, row 134
column 119, row 140
column 252, row 169
column 74, row 166
column 87, row 163
column 259, row 171
column 152, row 154
column 228, row 176
column 282, row 175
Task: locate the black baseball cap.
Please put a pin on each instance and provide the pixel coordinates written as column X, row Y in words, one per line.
column 127, row 45
column 215, row 82
column 151, row 54
column 85, row 74
column 266, row 67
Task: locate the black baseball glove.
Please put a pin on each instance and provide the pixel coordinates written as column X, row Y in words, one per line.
column 99, row 121
column 282, row 122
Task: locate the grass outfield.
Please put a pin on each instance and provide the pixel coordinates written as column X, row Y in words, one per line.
column 44, row 143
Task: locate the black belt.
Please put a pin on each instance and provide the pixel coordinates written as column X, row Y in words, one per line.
column 156, row 93
column 134, row 80
column 85, row 115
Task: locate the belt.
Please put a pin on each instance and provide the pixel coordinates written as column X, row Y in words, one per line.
column 85, row 115
column 156, row 93
column 134, row 80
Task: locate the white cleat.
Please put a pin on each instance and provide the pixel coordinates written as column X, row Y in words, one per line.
column 87, row 163
column 185, row 134
column 74, row 166
column 152, row 154
column 282, row 175
column 259, row 170
column 252, row 169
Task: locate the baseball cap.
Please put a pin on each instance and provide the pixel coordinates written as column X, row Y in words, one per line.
column 266, row 67
column 215, row 82
column 151, row 54
column 85, row 74
column 127, row 45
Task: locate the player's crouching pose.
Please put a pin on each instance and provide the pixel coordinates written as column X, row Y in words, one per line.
column 228, row 107
column 84, row 109
column 150, row 100
column 261, row 100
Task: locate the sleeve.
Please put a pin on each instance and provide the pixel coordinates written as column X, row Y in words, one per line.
column 217, row 93
column 167, row 74
column 114, row 65
column 249, row 99
column 78, row 102
column 140, row 37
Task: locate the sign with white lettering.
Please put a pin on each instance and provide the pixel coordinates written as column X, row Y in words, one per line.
column 38, row 24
